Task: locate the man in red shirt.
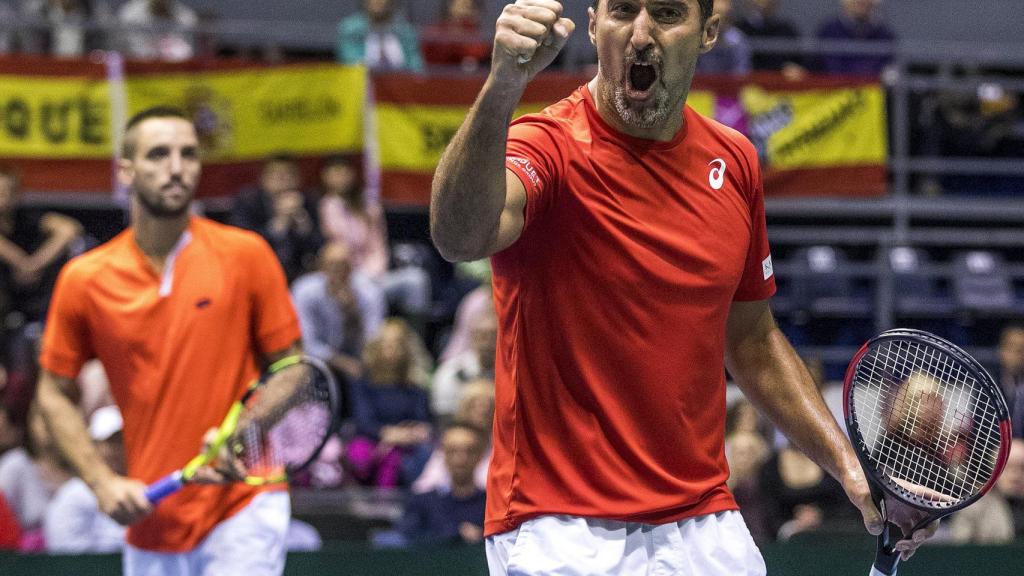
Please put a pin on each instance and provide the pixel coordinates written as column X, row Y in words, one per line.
column 181, row 311
column 631, row 267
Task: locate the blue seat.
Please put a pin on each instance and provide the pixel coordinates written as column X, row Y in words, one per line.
column 823, row 285
column 981, row 283
column 916, row 292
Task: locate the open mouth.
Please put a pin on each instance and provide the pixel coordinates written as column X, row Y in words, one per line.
column 642, row 77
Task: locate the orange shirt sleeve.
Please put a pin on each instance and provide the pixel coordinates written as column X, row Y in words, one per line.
column 276, row 325
column 66, row 345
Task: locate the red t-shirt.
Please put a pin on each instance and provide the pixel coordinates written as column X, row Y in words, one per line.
column 178, row 351
column 10, row 530
column 613, row 305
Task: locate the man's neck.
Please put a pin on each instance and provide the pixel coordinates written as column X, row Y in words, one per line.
column 156, row 237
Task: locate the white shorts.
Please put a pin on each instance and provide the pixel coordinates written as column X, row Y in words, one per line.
column 711, row 545
column 250, row 543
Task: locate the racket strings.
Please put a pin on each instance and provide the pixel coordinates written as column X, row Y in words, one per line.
column 291, row 415
column 924, row 422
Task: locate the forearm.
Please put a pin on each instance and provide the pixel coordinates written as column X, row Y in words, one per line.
column 49, row 252
column 68, row 429
column 56, row 244
column 774, row 378
column 11, row 254
column 468, row 192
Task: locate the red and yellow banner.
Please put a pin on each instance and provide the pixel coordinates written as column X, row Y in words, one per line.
column 817, row 137
column 56, row 121
column 821, row 136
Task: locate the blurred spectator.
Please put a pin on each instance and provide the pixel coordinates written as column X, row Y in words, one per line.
column 761, row 20
column 278, row 210
column 33, row 246
column 62, row 27
column 339, row 309
column 457, row 40
column 747, row 452
column 856, row 21
column 999, row 516
column 379, row 38
column 391, row 411
column 972, row 118
column 349, row 217
column 1011, row 361
column 731, row 54
column 74, row 523
column 157, row 30
column 10, row 531
column 478, row 300
column 741, row 416
column 21, row 476
column 455, row 514
column 1011, row 485
column 476, row 409
column 800, row 494
column 453, row 375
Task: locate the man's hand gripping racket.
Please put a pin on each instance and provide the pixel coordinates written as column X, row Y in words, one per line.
column 277, row 429
column 931, row 429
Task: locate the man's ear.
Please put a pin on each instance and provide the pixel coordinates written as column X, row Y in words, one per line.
column 710, row 35
column 592, row 25
column 125, row 172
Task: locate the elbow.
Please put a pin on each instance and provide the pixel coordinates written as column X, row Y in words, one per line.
column 456, row 253
column 454, row 246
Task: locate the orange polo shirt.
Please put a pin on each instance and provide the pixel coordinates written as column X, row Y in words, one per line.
column 178, row 350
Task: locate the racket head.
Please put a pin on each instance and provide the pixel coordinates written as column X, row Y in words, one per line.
column 286, row 419
column 929, row 424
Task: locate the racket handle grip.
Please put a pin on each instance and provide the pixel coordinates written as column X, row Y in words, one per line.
column 886, row 559
column 164, row 487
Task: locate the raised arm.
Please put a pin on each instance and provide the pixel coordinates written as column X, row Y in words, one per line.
column 476, row 206
column 123, row 499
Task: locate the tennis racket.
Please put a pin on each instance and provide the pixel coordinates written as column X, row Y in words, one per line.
column 277, row 429
column 930, row 426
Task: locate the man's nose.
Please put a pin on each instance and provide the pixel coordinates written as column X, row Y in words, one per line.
column 176, row 163
column 641, row 38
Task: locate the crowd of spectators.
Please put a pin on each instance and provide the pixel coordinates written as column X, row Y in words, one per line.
column 418, row 401
column 381, row 36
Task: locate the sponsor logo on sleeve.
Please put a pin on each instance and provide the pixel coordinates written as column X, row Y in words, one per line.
column 766, row 267
column 527, row 168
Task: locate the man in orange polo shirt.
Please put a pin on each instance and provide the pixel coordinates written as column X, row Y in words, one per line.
column 182, row 312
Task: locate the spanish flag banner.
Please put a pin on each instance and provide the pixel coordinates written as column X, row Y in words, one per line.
column 815, row 137
column 57, row 117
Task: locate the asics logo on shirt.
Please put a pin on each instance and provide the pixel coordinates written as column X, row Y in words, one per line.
column 717, row 175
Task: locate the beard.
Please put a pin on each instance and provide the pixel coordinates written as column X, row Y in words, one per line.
column 155, row 206
column 644, row 116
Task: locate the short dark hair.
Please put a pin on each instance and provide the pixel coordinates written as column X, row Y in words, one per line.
column 280, row 158
column 128, row 144
column 706, row 8
column 338, row 159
